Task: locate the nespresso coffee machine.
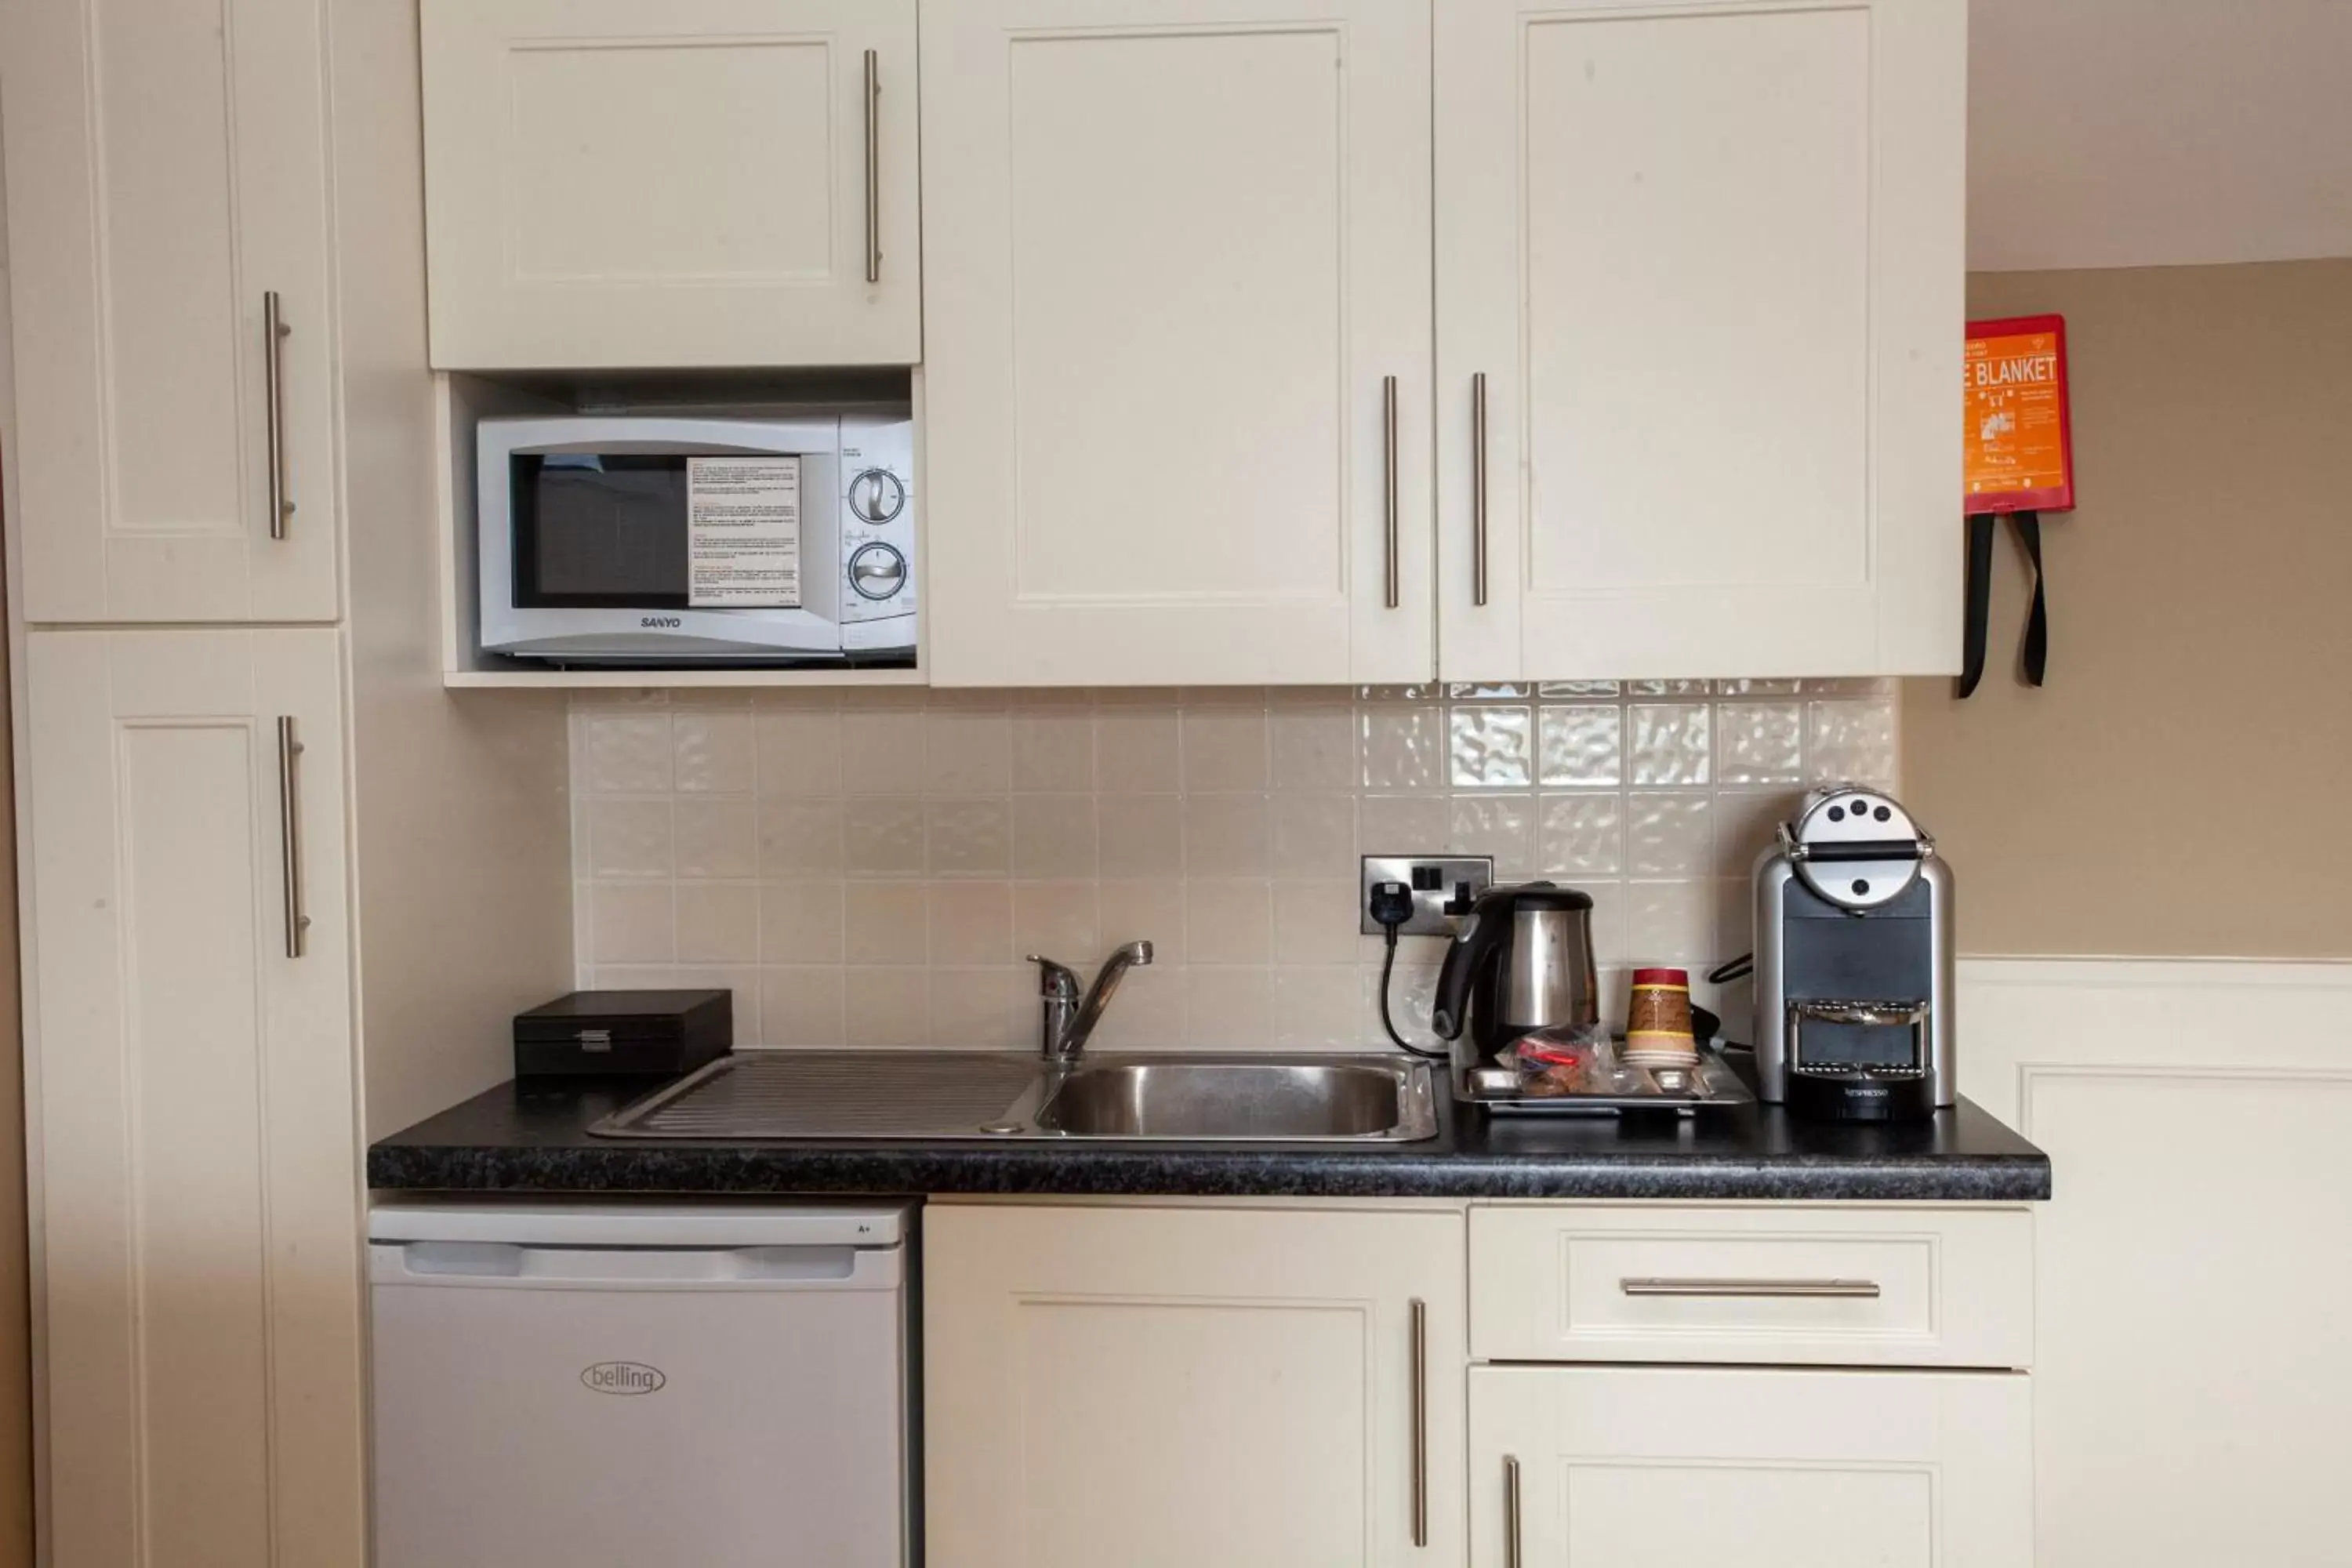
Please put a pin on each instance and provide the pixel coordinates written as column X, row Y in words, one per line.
column 1522, row 960
column 1853, row 962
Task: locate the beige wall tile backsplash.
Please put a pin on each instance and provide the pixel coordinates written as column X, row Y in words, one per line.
column 867, row 867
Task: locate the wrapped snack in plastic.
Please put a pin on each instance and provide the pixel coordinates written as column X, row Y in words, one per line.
column 1566, row 1060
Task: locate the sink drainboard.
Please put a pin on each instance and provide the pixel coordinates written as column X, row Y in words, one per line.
column 786, row 1094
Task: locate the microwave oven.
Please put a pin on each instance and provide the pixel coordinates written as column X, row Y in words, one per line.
column 642, row 540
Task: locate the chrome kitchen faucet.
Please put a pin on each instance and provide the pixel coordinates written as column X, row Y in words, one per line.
column 1067, row 1021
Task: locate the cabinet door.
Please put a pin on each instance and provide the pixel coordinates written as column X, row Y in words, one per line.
column 1175, row 267
column 198, row 1163
column 610, row 183
column 166, row 170
column 1169, row 1388
column 1708, row 263
column 1666, row 1466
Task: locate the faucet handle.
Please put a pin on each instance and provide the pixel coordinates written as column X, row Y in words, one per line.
column 1056, row 982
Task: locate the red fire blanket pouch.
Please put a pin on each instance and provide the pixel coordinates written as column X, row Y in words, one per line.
column 2020, row 463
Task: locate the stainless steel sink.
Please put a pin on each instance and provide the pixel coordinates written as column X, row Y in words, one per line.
column 1243, row 1099
column 793, row 1096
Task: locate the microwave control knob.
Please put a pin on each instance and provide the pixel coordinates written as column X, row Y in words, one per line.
column 877, row 571
column 876, row 495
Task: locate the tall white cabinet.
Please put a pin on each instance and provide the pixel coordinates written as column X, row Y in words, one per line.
column 168, row 290
column 195, row 1112
column 211, row 811
column 1177, row 323
column 1699, row 322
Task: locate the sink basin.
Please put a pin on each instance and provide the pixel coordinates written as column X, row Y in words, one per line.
column 1244, row 1099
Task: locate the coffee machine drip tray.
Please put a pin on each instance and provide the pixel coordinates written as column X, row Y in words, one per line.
column 1683, row 1091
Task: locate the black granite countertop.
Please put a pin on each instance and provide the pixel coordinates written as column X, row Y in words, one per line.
column 534, row 1138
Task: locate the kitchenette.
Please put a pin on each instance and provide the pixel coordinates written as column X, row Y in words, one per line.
column 1043, row 783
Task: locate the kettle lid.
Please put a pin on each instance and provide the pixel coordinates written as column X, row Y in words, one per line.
column 1539, row 896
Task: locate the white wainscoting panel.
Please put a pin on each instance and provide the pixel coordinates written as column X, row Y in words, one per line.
column 2193, row 1382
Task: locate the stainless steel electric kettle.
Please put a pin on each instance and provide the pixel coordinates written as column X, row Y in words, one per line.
column 1522, row 960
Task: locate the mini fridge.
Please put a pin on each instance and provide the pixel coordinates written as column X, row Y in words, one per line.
column 618, row 1385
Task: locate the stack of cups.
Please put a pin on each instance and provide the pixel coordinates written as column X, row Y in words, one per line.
column 1658, row 1023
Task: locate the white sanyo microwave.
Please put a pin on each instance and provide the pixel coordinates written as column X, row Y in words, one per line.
column 629, row 540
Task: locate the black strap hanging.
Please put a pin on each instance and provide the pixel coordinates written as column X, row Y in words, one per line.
column 1980, row 605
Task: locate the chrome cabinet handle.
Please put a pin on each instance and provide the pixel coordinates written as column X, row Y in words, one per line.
column 1864, row 1290
column 1389, row 484
column 1511, row 1545
column 289, row 835
column 1478, row 490
column 273, row 380
column 1420, row 1423
column 873, row 166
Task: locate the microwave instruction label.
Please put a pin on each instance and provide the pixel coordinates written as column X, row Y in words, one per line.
column 743, row 532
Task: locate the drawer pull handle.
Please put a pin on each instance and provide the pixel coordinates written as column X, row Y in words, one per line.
column 1512, row 1552
column 1478, row 490
column 1847, row 1289
column 1420, row 1423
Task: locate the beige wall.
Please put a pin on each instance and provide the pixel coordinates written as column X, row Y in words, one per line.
column 2179, row 787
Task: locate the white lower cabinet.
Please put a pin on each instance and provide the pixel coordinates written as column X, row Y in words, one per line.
column 1660, row 1467
column 191, row 1069
column 1170, row 1387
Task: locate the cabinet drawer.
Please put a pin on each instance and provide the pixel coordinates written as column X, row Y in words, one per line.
column 1790, row 1283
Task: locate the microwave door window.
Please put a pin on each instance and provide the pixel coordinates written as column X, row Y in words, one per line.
column 600, row 531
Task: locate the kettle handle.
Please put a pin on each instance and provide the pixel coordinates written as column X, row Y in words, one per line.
column 1465, row 956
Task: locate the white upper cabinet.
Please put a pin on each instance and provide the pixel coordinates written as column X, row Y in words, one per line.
column 167, row 176
column 1176, row 318
column 1708, row 261
column 615, row 183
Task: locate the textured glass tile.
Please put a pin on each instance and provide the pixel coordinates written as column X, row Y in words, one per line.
column 1852, row 740
column 1374, row 694
column 881, row 837
column 714, row 751
column 1668, row 744
column 1583, row 744
column 1745, row 821
column 1669, row 835
column 799, row 752
column 1502, row 827
column 1403, row 746
column 629, row 839
column 802, row 837
column 1671, row 923
column 626, row 754
column 1758, row 742
column 1487, row 691
column 1665, row 687
column 1551, row 689
column 968, row 837
column 1401, row 824
column 718, row 837
column 1312, row 748
column 1850, row 686
column 1491, row 747
column 1759, row 687
column 1581, row 835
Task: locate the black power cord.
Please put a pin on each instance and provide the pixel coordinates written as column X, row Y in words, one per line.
column 1392, row 906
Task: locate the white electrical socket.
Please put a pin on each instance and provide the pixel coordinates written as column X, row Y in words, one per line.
column 1436, row 880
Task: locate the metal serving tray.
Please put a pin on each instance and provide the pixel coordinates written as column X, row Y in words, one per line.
column 1713, row 1086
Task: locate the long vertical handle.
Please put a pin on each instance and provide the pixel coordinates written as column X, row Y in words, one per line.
column 1478, row 490
column 1420, row 1423
column 273, row 381
column 289, row 835
column 1511, row 1546
column 873, row 166
column 1389, row 484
